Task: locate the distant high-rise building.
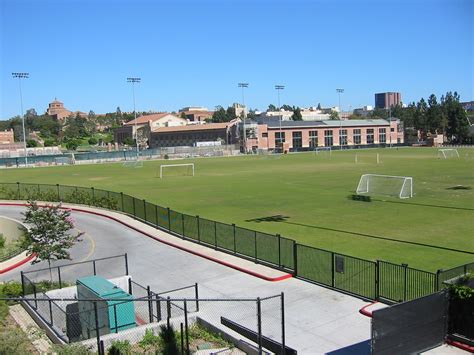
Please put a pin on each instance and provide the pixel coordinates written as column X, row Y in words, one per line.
column 387, row 99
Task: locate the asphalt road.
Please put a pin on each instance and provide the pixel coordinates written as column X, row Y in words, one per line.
column 318, row 320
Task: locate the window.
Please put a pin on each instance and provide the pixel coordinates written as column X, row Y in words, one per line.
column 328, row 138
column 356, row 138
column 297, row 140
column 343, row 137
column 313, row 139
column 265, row 135
column 370, row 136
column 382, row 135
column 279, row 138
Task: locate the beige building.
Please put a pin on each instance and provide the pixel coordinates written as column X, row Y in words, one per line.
column 56, row 109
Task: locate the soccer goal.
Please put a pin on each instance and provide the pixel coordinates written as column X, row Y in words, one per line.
column 63, row 161
column 448, row 153
column 388, row 185
column 132, row 164
column 177, row 169
column 323, row 151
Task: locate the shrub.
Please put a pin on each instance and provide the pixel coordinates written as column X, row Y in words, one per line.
column 72, row 349
column 11, row 289
column 13, row 341
column 150, row 341
column 92, row 141
column 2, row 241
column 120, row 347
column 168, row 340
column 50, row 142
column 3, row 311
column 31, row 143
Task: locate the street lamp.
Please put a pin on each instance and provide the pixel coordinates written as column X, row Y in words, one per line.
column 278, row 88
column 339, row 92
column 133, row 81
column 244, row 85
column 22, row 76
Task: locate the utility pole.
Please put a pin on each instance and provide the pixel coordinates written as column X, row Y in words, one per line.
column 278, row 88
column 133, row 81
column 22, row 76
column 244, row 85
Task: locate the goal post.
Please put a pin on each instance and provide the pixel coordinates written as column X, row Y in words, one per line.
column 388, row 185
column 179, row 169
column 323, row 150
column 132, row 164
column 448, row 153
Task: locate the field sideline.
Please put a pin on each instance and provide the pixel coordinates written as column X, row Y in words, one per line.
column 304, row 197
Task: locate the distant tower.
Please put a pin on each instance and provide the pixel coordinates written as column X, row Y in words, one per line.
column 56, row 108
column 387, row 99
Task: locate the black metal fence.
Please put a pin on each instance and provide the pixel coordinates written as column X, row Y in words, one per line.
column 364, row 278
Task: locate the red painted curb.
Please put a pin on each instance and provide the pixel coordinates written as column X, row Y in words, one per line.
column 235, row 267
column 21, row 262
column 460, row 345
column 364, row 310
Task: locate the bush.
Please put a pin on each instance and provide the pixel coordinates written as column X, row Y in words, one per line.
column 3, row 311
column 11, row 289
column 166, row 156
column 73, row 144
column 31, row 143
column 50, row 142
column 128, row 141
column 72, row 349
column 168, row 340
column 2, row 241
column 150, row 341
column 120, row 347
column 13, row 341
column 93, row 141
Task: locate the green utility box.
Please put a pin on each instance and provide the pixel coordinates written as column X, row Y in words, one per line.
column 115, row 307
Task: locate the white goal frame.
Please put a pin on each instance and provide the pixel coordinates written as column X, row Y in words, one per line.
column 172, row 165
column 442, row 153
column 133, row 164
column 318, row 150
column 407, row 186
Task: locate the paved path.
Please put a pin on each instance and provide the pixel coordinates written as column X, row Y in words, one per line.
column 318, row 320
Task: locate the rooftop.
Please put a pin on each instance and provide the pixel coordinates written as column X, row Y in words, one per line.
column 146, row 118
column 195, row 127
column 329, row 123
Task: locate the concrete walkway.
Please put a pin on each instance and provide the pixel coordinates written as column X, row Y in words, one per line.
column 318, row 320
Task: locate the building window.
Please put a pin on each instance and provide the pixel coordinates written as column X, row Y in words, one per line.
column 356, row 135
column 328, row 138
column 265, row 135
column 313, row 139
column 279, row 137
column 297, row 140
column 382, row 135
column 370, row 136
column 343, row 137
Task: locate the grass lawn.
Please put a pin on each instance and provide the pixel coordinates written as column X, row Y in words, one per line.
column 310, row 193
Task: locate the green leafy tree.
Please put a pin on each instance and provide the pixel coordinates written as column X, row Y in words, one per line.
column 49, row 234
column 334, row 115
column 219, row 115
column 72, row 144
column 230, row 112
column 93, row 141
column 297, row 116
column 457, row 123
column 288, row 108
column 272, row 108
column 31, row 143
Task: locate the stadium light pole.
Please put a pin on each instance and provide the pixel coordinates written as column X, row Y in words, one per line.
column 243, row 86
column 22, row 76
column 339, row 92
column 133, row 81
column 278, row 88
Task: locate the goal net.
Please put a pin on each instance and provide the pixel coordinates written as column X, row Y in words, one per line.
column 397, row 186
column 176, row 170
column 63, row 161
column 323, row 151
column 132, row 164
column 448, row 153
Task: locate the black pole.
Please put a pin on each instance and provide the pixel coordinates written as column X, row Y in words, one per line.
column 144, row 209
column 102, row 349
column 186, row 329
column 279, row 249
column 96, row 314
column 93, row 194
column 169, row 218
column 196, row 295
column 215, row 235
column 199, row 232
column 235, row 245
column 50, row 313
column 126, row 264
column 121, row 197
column 156, row 215
column 377, row 280
column 182, row 338
column 256, row 251
column 283, row 345
column 93, row 264
column 115, row 317
column 59, row 277
column 22, row 283
column 158, row 308
column 259, row 324
column 130, row 291
column 405, row 267
column 332, row 269
column 150, row 304
column 295, row 258
column 182, row 224
column 133, row 199
column 168, row 311
column 34, row 293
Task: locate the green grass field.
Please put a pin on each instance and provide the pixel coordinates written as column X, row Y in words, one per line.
column 310, row 192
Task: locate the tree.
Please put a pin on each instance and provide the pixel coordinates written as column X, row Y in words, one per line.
column 183, row 115
column 230, row 112
column 272, row 108
column 31, row 143
column 287, row 108
column 93, row 141
column 334, row 115
column 48, row 235
column 297, row 116
column 73, row 144
column 219, row 115
column 457, row 124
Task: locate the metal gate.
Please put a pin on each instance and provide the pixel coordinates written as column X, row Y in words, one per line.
column 410, row 327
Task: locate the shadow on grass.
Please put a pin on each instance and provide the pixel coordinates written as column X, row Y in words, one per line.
column 427, row 205
column 284, row 219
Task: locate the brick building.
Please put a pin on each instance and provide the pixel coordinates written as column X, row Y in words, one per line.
column 56, row 109
column 387, row 99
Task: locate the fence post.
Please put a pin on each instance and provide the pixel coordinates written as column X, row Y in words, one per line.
column 438, row 274
column 144, row 209
column 121, row 198
column 182, row 224
column 50, row 312
column 259, row 325
column 199, row 231
column 93, row 264
column 150, row 304
column 126, row 264
column 102, row 349
column 134, row 214
column 186, row 329
column 295, row 258
column 283, row 345
column 168, row 311
column 233, row 231
column 182, row 338
column 96, row 315
column 332, row 270
column 130, row 291
column 158, row 308
column 93, row 194
column 255, row 239
column 18, row 190
column 156, row 216
column 196, row 295
column 59, row 197
column 22, row 283
column 377, row 280
column 405, row 267
column 215, row 235
column 279, row 250
column 115, row 317
column 169, row 218
column 59, row 277
column 34, row 293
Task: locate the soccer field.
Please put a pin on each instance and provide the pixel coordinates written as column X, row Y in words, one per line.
column 305, row 197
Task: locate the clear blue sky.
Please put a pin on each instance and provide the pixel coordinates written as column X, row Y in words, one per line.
column 195, row 52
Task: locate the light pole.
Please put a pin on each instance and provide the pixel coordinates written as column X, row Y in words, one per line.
column 278, row 88
column 133, row 81
column 339, row 92
column 22, row 76
column 244, row 85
